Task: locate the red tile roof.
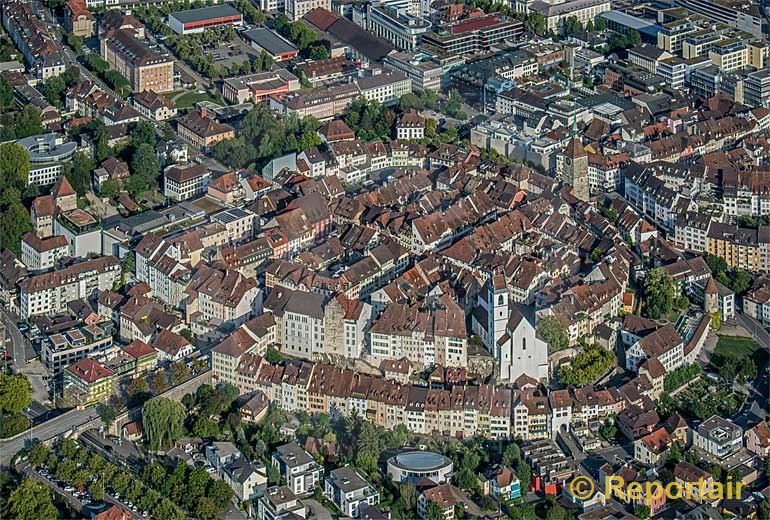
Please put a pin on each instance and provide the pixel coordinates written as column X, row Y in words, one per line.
column 89, row 370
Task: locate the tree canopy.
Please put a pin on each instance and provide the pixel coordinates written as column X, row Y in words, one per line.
column 163, row 421
column 659, row 293
column 32, row 501
column 553, row 332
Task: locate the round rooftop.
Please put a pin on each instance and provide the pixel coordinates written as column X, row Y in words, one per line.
column 419, row 461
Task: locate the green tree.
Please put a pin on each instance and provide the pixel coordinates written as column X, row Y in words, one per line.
column 53, row 89
column 106, row 414
column 143, row 133
column 145, row 168
column 220, row 493
column 205, row 509
column 15, row 392
column 160, row 382
column 28, row 122
column 179, row 372
column 524, row 472
column 6, row 94
column 587, row 366
column 163, row 422
column 454, row 103
column 642, row 512
column 32, row 501
column 600, row 24
column 466, row 479
column 608, row 430
column 14, row 220
column 38, row 454
column 536, row 23
column 318, row 52
column 572, row 25
column 553, row 332
column 13, row 424
column 205, row 428
column 80, row 172
column 272, row 356
column 14, row 165
column 659, row 293
column 434, row 512
column 409, row 102
column 110, row 189
column 633, row 38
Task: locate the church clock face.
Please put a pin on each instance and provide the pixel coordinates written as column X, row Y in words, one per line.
column 569, row 161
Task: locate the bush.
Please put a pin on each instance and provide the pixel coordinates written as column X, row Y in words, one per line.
column 680, row 376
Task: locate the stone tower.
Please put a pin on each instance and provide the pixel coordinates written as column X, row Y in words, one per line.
column 576, row 169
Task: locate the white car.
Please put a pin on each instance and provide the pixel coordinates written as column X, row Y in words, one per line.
column 69, row 489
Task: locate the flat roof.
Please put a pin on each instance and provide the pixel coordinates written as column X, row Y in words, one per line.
column 419, row 461
column 205, row 13
column 270, row 41
column 632, row 22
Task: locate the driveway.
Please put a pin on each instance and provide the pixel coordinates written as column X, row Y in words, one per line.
column 318, row 511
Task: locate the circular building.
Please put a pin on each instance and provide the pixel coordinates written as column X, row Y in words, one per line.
column 411, row 466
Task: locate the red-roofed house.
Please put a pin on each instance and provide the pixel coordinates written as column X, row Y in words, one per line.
column 87, row 382
column 652, row 448
column 145, row 356
column 114, row 513
column 78, row 19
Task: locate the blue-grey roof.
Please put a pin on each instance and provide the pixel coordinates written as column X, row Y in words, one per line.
column 419, row 461
column 632, row 22
column 205, row 13
column 269, row 41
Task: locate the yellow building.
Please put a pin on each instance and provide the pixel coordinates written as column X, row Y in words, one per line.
column 145, row 356
column 87, row 382
column 740, row 247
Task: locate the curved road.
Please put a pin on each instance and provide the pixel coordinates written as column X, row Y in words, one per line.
column 45, row 432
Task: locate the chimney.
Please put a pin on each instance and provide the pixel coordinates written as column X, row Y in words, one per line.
column 204, row 112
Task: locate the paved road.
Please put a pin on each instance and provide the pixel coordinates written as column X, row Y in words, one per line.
column 758, row 332
column 20, row 347
column 754, row 409
column 46, row 431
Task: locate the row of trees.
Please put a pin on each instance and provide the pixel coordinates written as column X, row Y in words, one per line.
column 14, row 219
column 680, row 376
column 114, row 79
column 587, row 366
column 81, row 468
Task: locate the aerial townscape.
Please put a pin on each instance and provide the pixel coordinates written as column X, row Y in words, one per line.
column 384, row 259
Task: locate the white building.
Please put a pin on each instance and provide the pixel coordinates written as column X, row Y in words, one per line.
column 47, row 155
column 301, row 472
column 718, row 437
column 49, row 293
column 185, row 182
column 39, row 254
column 349, row 490
column 296, row 9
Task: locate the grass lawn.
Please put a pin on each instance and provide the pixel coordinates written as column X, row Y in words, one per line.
column 738, row 348
column 188, row 100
